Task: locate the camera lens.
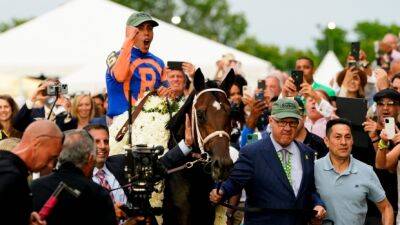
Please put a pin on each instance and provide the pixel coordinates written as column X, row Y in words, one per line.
column 386, row 120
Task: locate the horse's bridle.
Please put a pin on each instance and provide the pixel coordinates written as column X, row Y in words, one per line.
column 195, row 126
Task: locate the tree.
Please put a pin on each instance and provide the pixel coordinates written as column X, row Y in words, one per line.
column 335, row 39
column 281, row 60
column 209, row 18
column 14, row 22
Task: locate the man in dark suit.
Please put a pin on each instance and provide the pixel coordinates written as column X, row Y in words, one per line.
column 76, row 161
column 38, row 149
column 277, row 172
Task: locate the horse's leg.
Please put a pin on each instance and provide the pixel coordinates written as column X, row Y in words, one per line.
column 202, row 211
column 177, row 207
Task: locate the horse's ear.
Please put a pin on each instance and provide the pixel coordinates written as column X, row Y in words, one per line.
column 228, row 81
column 199, row 81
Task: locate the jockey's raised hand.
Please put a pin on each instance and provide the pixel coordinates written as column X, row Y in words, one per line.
column 188, row 132
column 121, row 68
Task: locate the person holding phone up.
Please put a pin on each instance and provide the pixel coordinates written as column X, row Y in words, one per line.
column 388, row 108
column 306, row 65
column 178, row 76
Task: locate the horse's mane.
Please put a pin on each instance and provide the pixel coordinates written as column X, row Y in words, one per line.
column 178, row 120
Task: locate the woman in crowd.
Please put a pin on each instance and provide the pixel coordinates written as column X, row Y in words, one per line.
column 352, row 82
column 83, row 110
column 237, row 108
column 8, row 110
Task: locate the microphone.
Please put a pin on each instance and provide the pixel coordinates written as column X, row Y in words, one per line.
column 48, row 207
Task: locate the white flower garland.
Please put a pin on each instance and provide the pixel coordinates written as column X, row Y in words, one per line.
column 149, row 126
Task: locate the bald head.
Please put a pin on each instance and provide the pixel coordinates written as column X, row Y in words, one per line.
column 391, row 39
column 40, row 145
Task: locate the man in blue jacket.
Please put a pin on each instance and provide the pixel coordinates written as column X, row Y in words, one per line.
column 277, row 173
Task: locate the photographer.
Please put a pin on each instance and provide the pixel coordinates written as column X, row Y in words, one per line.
column 38, row 106
column 352, row 81
column 306, row 65
column 388, row 105
column 260, row 107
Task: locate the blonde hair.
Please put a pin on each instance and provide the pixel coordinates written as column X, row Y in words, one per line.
column 77, row 99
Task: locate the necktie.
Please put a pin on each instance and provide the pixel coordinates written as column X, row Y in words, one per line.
column 101, row 175
column 285, row 158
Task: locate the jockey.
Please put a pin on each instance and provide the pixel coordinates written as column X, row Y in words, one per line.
column 133, row 68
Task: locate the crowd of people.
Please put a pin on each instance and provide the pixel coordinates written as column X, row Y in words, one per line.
column 301, row 159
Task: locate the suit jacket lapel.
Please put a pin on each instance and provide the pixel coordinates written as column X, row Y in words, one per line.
column 306, row 167
column 275, row 164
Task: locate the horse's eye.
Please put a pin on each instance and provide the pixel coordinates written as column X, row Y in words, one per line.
column 201, row 116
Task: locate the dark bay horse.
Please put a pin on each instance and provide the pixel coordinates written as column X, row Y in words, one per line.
column 186, row 192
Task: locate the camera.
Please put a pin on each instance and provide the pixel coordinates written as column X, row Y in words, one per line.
column 143, row 171
column 57, row 89
column 260, row 96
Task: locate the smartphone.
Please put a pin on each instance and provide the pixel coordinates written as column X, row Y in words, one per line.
column 297, row 76
column 165, row 83
column 390, row 127
column 261, row 84
column 245, row 89
column 174, row 65
column 355, row 50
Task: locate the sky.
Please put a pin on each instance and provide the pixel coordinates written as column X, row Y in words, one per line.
column 286, row 23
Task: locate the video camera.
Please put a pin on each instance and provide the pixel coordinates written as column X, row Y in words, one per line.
column 143, row 171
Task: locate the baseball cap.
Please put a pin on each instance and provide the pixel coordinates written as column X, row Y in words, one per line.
column 138, row 18
column 387, row 93
column 285, row 108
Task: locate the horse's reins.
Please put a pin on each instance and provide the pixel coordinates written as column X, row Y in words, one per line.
column 195, row 125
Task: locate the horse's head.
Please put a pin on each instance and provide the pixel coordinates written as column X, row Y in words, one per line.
column 211, row 123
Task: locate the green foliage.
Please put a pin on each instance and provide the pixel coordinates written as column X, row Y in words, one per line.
column 335, row 40
column 285, row 60
column 212, row 18
column 13, row 23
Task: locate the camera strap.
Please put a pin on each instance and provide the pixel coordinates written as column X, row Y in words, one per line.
column 124, row 129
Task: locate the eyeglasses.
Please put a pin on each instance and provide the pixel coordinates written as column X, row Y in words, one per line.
column 283, row 123
column 390, row 103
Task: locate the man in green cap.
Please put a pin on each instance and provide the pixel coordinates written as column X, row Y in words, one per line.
column 277, row 173
column 133, row 69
